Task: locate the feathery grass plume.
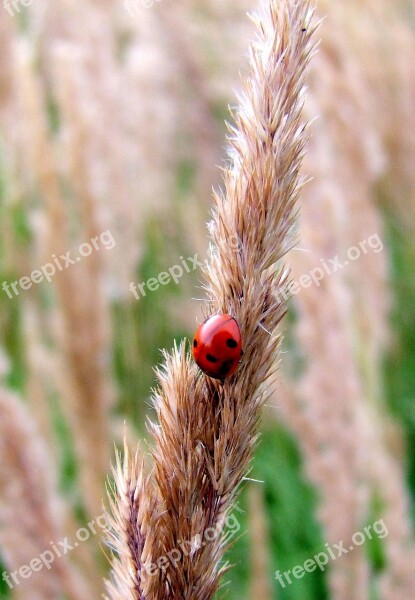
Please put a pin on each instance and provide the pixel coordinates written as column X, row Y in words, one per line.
column 31, row 512
column 130, row 535
column 207, row 431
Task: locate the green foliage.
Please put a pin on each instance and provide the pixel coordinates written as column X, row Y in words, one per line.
column 10, row 308
column 145, row 325
column 400, row 360
column 4, row 588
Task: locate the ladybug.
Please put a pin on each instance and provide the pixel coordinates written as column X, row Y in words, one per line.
column 217, row 346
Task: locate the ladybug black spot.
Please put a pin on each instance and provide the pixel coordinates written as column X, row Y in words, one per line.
column 231, row 343
column 225, row 367
column 211, row 358
column 194, row 343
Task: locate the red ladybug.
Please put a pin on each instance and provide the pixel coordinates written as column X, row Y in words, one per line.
column 217, row 346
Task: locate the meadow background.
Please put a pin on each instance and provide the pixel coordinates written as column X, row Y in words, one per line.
column 112, row 128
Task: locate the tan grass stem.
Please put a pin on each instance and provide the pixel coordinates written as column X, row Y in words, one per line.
column 207, row 431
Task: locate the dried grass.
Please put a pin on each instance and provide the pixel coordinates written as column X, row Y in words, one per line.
column 131, row 538
column 207, row 431
column 31, row 512
column 84, row 323
column 362, row 87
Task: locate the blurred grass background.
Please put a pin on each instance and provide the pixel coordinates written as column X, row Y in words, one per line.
column 164, row 230
column 294, row 532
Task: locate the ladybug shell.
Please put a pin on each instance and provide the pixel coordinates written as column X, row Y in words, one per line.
column 217, row 346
